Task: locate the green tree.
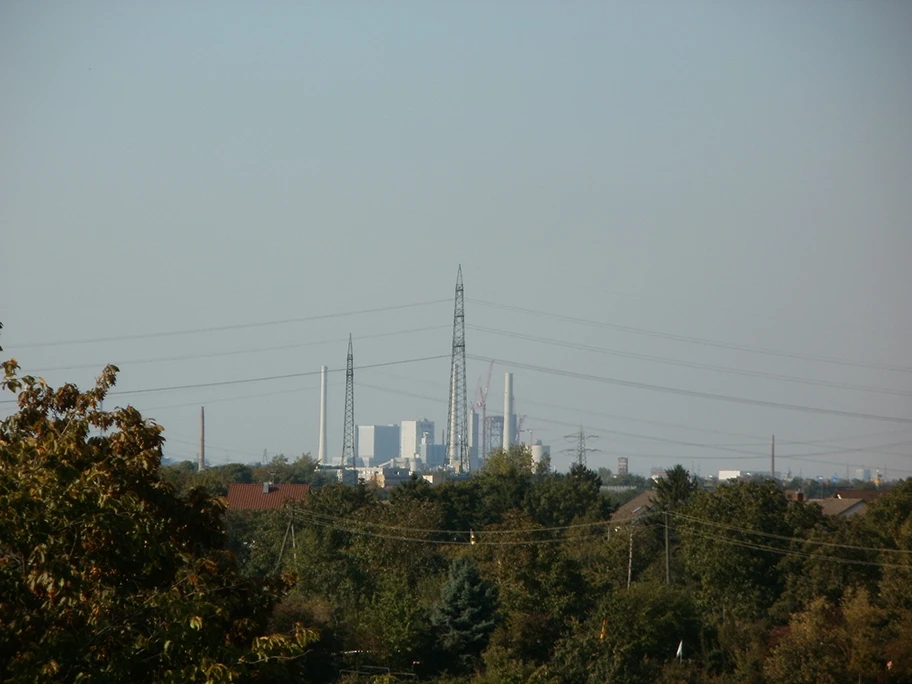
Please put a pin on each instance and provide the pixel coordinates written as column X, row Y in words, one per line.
column 734, row 569
column 465, row 616
column 675, row 488
column 629, row 638
column 105, row 573
column 558, row 499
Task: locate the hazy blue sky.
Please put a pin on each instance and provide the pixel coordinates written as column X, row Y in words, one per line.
column 735, row 172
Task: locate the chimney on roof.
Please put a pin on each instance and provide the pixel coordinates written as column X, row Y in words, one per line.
column 799, row 496
column 266, row 487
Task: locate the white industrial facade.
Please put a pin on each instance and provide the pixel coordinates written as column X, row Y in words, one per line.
column 377, row 444
column 412, row 434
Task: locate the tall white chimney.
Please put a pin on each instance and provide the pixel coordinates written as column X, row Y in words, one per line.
column 508, row 426
column 321, row 450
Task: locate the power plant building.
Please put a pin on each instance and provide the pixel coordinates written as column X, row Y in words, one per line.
column 412, row 434
column 540, row 452
column 377, row 444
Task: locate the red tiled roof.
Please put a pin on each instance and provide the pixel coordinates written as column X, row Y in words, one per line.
column 252, row 497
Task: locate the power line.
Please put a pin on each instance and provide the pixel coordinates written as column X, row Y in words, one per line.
column 691, row 364
column 237, row 398
column 788, row 552
column 770, row 535
column 252, row 350
column 694, row 340
column 363, row 528
column 743, row 454
column 761, row 440
column 285, row 376
column 695, row 393
column 219, row 328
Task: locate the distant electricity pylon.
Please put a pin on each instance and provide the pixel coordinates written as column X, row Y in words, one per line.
column 348, row 435
column 579, row 448
column 457, row 445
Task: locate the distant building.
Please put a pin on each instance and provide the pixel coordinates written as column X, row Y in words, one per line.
column 429, row 455
column 474, row 441
column 729, row 475
column 257, row 497
column 863, row 474
column 495, row 428
column 657, row 473
column 540, row 452
column 411, row 435
column 622, row 466
column 377, row 444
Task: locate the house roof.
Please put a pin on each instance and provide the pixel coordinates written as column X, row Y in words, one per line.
column 863, row 494
column 253, row 496
column 840, row 506
column 636, row 507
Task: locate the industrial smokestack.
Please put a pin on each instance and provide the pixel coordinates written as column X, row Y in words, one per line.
column 508, row 426
column 321, row 450
column 202, row 458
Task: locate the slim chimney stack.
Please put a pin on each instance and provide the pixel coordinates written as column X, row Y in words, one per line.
column 508, row 426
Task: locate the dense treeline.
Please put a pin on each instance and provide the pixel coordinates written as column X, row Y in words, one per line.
column 114, row 569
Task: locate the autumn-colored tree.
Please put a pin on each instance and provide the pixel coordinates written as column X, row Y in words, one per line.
column 106, row 574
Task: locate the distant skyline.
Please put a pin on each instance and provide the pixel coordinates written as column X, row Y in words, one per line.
column 646, row 201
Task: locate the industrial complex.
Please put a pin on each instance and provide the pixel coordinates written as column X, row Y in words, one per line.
column 412, row 446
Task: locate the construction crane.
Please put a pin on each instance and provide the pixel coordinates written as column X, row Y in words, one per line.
column 532, row 432
column 481, row 402
column 517, row 438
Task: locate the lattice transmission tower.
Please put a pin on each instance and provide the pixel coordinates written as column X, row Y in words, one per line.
column 580, row 448
column 348, row 434
column 457, row 444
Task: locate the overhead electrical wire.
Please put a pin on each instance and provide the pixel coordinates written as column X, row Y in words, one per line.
column 254, row 350
column 762, row 440
column 284, row 376
column 691, row 364
column 780, row 537
column 790, row 552
column 692, row 393
column 741, row 454
column 478, row 538
column 241, row 397
column 220, row 328
column 691, row 340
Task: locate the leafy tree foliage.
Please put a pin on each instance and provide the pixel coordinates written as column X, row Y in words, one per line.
column 628, row 639
column 676, row 488
column 729, row 566
column 105, row 574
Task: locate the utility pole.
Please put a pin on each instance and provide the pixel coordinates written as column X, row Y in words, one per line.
column 773, row 458
column 630, row 559
column 348, row 433
column 202, row 455
column 457, row 437
column 667, row 552
column 321, row 449
column 579, row 449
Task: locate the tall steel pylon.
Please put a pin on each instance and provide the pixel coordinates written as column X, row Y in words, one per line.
column 348, row 435
column 579, row 449
column 457, row 443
